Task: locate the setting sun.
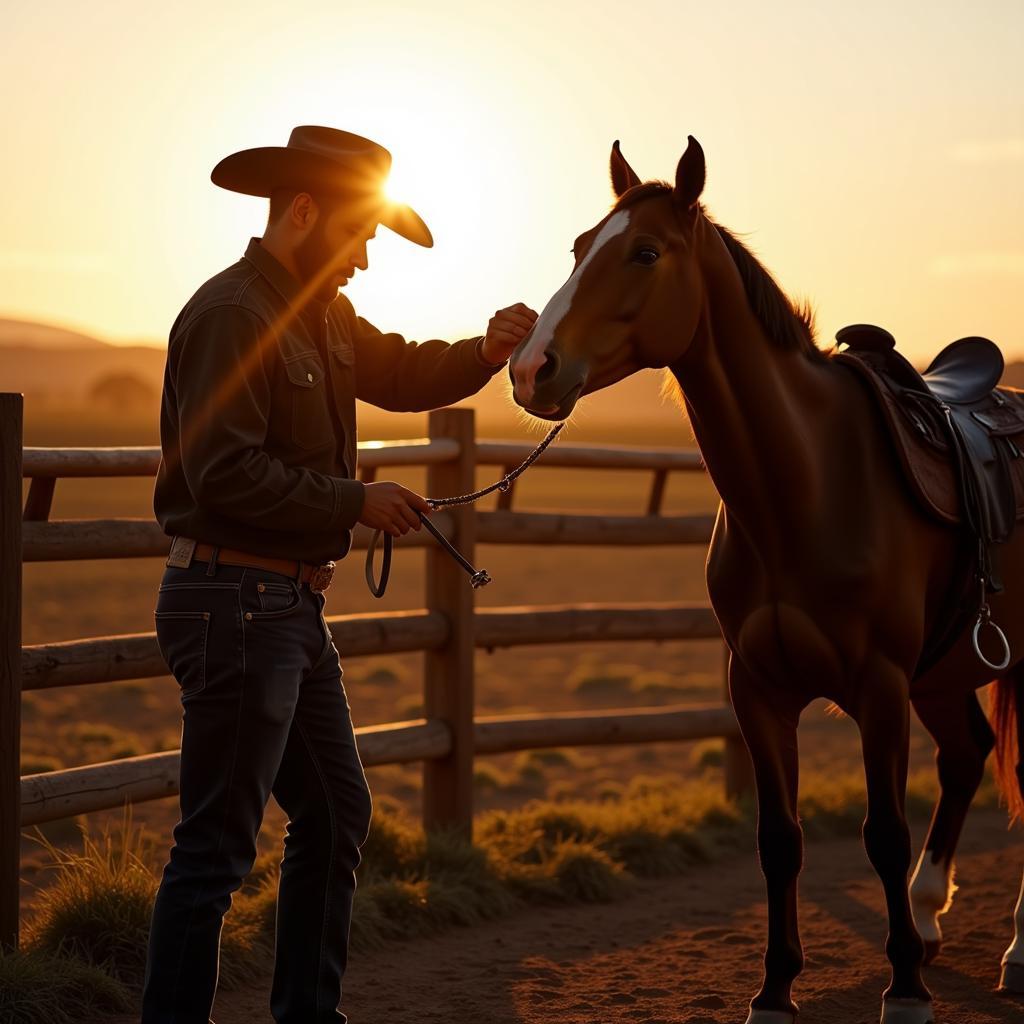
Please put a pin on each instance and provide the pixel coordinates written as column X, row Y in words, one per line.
column 500, row 131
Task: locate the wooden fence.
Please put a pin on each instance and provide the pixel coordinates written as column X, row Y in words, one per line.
column 448, row 628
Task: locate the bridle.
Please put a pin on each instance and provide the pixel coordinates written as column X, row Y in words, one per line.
column 477, row 577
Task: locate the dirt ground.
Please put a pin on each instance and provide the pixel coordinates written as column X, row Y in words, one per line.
column 688, row 951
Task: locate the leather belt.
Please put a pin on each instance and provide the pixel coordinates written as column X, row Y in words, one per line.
column 318, row 577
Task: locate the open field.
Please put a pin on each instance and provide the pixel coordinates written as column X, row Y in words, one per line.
column 77, row 725
column 538, row 974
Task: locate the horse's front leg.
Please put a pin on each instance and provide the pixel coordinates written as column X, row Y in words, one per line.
column 769, row 730
column 883, row 714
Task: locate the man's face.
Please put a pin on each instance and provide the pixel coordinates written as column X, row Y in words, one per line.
column 334, row 249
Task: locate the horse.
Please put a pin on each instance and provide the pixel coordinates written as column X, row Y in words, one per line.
column 825, row 575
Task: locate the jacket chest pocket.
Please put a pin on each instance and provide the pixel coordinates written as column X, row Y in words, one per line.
column 310, row 414
column 343, row 359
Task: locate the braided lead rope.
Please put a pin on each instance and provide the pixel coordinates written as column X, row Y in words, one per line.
column 506, row 481
column 478, row 577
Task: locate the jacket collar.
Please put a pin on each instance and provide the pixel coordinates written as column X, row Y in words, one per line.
column 282, row 280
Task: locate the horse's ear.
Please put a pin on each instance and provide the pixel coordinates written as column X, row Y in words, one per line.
column 623, row 176
column 690, row 175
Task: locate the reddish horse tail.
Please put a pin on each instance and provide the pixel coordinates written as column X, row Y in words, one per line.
column 1006, row 706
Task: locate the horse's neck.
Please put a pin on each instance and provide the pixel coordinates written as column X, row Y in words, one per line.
column 757, row 410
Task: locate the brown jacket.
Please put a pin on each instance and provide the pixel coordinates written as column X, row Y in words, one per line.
column 258, row 421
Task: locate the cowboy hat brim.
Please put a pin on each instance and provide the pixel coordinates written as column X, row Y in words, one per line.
column 256, row 172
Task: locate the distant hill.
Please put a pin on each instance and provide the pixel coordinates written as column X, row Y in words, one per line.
column 68, row 373
column 1013, row 375
column 26, row 333
column 50, row 364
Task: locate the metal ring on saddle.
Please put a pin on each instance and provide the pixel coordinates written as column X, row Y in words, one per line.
column 985, row 620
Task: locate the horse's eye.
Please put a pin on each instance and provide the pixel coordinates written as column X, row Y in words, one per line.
column 646, row 256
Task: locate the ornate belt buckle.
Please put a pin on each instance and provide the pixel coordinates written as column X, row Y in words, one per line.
column 321, row 578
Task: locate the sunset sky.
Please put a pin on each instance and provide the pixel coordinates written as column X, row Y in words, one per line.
column 873, row 153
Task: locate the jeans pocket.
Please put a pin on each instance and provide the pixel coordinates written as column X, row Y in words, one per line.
column 181, row 637
column 275, row 597
column 268, row 597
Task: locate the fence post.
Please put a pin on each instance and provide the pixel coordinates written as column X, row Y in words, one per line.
column 448, row 676
column 11, row 411
column 739, row 770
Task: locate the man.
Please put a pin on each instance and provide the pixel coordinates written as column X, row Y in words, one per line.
column 257, row 487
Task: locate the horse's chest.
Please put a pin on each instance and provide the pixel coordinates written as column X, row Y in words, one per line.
column 784, row 643
column 797, row 623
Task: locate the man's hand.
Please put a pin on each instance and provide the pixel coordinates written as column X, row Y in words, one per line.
column 392, row 508
column 505, row 330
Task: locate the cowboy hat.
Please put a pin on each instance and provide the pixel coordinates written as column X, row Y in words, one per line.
column 329, row 161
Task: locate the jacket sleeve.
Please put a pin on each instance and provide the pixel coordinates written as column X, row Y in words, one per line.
column 223, row 396
column 410, row 376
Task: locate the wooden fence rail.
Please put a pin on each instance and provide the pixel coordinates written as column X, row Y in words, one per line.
column 52, row 795
column 448, row 629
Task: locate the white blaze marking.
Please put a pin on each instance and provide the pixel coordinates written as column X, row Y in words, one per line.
column 533, row 357
column 931, row 894
column 1015, row 954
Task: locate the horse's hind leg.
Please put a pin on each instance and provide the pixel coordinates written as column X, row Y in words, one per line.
column 1012, row 979
column 964, row 740
column 1008, row 703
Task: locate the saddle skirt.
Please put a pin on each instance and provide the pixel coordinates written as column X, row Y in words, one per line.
column 958, row 436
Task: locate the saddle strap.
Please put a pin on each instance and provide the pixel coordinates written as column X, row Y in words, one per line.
column 987, row 526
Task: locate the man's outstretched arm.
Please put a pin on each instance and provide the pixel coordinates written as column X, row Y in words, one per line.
column 409, row 376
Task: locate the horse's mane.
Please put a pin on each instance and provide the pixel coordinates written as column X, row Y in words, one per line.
column 788, row 324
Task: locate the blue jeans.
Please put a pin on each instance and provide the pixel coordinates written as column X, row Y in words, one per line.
column 264, row 712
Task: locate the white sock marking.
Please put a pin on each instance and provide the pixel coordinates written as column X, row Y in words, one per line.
column 1015, row 954
column 931, row 894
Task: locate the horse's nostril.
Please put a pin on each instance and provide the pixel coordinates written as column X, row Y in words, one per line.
column 549, row 369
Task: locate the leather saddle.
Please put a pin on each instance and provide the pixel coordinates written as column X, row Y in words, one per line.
column 959, row 437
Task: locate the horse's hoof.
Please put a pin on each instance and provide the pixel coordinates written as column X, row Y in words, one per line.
column 932, row 948
column 770, row 1017
column 907, row 1011
column 1012, row 979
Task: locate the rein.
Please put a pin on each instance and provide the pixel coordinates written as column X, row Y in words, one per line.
column 477, row 577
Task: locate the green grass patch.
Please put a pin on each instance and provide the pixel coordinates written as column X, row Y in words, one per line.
column 385, row 675
column 97, row 909
column 37, row 763
column 707, row 754
column 659, row 686
column 612, row 680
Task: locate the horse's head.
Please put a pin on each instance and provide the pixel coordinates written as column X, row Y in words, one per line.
column 633, row 299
